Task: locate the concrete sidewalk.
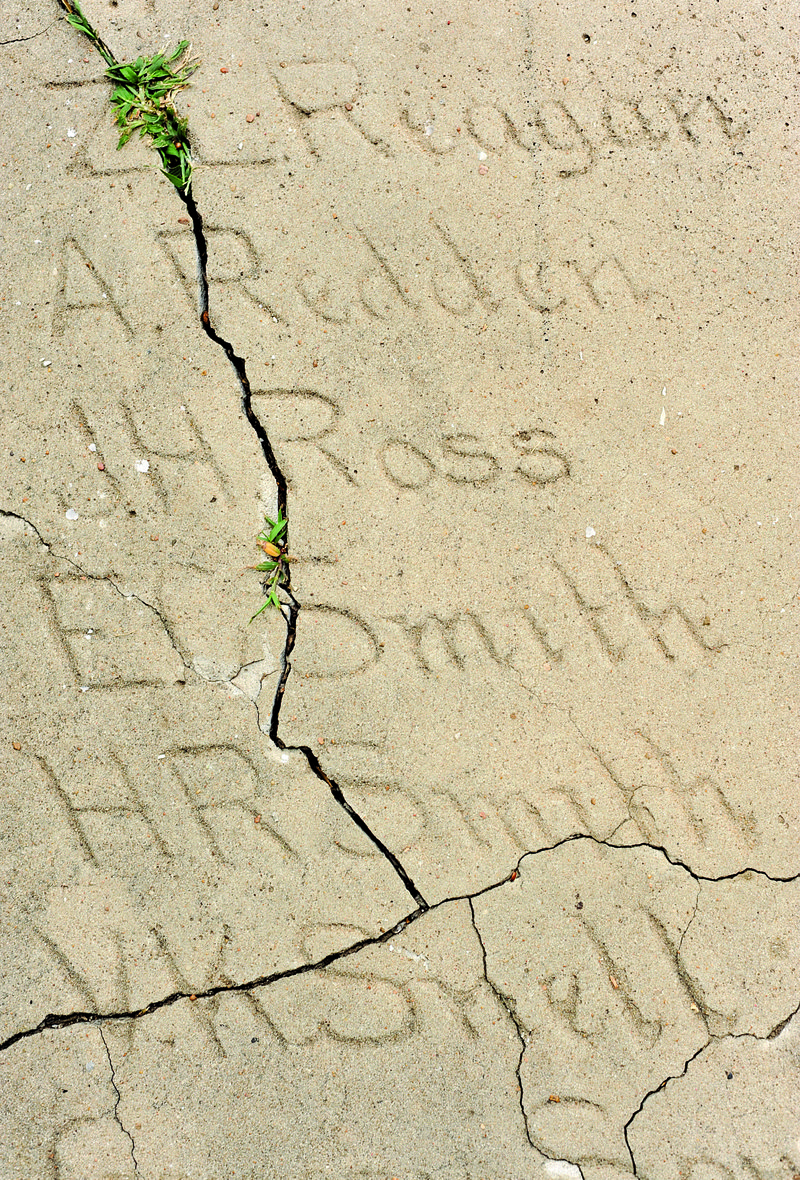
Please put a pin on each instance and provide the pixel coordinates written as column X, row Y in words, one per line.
column 479, row 859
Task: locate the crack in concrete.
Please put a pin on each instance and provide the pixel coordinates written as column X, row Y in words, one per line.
column 310, row 756
column 712, row 1040
column 777, row 1030
column 65, row 1020
column 129, row 597
column 508, row 1003
column 677, row 864
column 291, row 610
column 306, row 751
column 656, row 1090
column 56, row 1021
column 117, row 1119
column 685, row 930
column 31, row 36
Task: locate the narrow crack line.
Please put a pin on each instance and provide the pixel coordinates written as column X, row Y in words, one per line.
column 685, row 930
column 31, row 36
column 66, row 1019
column 773, row 1033
column 712, row 1040
column 117, row 1119
column 339, row 796
column 149, row 605
column 31, row 525
column 161, row 617
column 523, row 1033
column 680, row 864
column 576, row 836
column 56, row 1021
column 511, row 1010
column 657, row 1089
column 104, row 578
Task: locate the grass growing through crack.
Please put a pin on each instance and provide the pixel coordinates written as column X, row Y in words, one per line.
column 141, row 98
column 141, row 102
column 272, row 539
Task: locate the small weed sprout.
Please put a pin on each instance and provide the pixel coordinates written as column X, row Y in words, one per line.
column 141, row 97
column 272, row 539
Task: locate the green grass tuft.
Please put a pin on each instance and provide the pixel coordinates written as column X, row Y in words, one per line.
column 141, row 98
column 272, row 539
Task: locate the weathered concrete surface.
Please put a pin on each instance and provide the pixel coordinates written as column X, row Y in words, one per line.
column 403, row 1053
column 152, row 840
column 511, row 286
column 618, row 968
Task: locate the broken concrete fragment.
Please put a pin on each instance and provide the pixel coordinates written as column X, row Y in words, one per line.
column 741, row 1092
column 582, row 947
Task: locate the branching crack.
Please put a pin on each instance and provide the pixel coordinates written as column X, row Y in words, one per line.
column 510, row 1006
column 291, row 609
column 712, row 1040
column 117, row 1119
column 64, row 1020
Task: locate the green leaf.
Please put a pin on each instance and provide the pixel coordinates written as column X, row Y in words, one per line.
column 260, row 610
column 141, row 96
column 124, row 75
column 180, row 48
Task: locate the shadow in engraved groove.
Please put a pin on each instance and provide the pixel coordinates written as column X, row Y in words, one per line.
column 305, row 431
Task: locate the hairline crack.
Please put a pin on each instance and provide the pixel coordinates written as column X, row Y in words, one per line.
column 117, row 1102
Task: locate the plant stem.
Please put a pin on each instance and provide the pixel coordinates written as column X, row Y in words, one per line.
column 79, row 22
column 140, row 99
